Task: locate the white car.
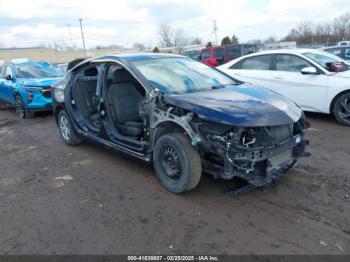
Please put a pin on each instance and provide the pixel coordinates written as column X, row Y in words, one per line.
column 317, row 81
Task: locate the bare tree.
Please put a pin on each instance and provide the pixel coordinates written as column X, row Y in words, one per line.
column 196, row 41
column 180, row 40
column 322, row 33
column 341, row 27
column 270, row 39
column 165, row 33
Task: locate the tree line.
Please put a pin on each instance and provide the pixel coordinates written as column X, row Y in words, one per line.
column 324, row 33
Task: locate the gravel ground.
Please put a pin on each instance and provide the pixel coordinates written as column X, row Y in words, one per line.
column 56, row 199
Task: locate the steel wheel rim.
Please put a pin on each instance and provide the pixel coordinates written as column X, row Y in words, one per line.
column 170, row 163
column 344, row 109
column 64, row 127
column 19, row 107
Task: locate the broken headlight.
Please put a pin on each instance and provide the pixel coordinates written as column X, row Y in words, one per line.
column 59, row 95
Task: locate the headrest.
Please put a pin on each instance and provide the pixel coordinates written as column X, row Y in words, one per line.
column 121, row 75
column 91, row 72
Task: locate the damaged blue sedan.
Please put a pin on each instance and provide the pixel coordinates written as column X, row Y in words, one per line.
column 185, row 117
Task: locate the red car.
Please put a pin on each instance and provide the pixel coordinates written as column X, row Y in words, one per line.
column 215, row 56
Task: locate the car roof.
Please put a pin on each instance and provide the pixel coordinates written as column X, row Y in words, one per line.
column 141, row 56
column 284, row 51
column 336, row 46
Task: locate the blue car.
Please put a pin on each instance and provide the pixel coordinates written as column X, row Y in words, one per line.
column 185, row 117
column 27, row 86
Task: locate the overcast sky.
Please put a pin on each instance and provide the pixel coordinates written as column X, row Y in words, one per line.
column 123, row 22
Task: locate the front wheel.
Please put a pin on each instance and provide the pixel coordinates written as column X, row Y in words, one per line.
column 66, row 130
column 20, row 108
column 342, row 109
column 177, row 164
column 2, row 105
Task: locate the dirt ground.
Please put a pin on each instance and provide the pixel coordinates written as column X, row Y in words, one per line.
column 56, row 199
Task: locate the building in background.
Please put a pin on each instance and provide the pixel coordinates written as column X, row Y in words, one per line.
column 280, row 45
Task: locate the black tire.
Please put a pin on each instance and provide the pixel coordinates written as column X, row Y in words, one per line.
column 341, row 109
column 177, row 163
column 66, row 129
column 3, row 105
column 20, row 108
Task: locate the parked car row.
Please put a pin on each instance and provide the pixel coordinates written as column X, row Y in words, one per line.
column 315, row 80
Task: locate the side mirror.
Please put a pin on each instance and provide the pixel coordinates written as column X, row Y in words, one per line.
column 8, row 77
column 309, row 70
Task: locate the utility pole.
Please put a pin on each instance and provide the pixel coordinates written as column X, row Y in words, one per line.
column 82, row 35
column 70, row 35
column 215, row 30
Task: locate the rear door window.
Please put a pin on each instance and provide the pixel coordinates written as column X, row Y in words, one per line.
column 261, row 62
column 205, row 54
column 290, row 63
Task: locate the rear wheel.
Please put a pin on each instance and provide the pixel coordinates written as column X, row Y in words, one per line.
column 342, row 109
column 66, row 130
column 177, row 164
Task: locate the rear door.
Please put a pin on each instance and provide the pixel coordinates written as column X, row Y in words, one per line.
column 309, row 91
column 254, row 69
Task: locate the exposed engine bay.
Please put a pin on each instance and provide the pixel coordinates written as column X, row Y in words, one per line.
column 256, row 154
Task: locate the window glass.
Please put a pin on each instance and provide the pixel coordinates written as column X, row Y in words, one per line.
column 290, row 63
column 233, row 52
column 8, row 71
column 205, row 54
column 325, row 60
column 257, row 63
column 181, row 75
column 218, row 52
column 37, row 70
column 335, row 51
column 347, row 53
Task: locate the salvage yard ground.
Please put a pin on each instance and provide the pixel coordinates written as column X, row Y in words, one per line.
column 57, row 199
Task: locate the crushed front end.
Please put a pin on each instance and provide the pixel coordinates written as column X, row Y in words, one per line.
column 256, row 154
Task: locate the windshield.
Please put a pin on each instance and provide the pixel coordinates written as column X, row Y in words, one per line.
column 325, row 60
column 39, row 70
column 181, row 75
